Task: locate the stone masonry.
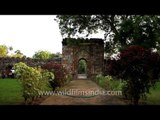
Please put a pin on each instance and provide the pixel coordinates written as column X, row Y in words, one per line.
column 91, row 50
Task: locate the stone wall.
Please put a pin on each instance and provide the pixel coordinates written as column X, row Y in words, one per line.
column 91, row 50
column 4, row 62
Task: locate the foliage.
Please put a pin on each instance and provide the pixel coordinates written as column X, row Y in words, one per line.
column 47, row 78
column 82, row 67
column 3, row 50
column 59, row 71
column 139, row 67
column 57, row 55
column 10, row 48
column 153, row 97
column 33, row 80
column 18, row 54
column 108, row 83
column 43, row 55
column 120, row 31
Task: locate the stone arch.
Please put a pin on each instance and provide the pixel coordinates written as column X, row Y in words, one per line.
column 92, row 50
column 82, row 70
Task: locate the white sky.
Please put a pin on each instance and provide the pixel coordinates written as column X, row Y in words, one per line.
column 30, row 33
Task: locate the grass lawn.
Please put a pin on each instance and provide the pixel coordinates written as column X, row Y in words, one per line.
column 10, row 92
column 154, row 97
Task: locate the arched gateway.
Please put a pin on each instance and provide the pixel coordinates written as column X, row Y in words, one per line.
column 76, row 52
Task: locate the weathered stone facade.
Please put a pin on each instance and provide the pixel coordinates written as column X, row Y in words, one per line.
column 91, row 50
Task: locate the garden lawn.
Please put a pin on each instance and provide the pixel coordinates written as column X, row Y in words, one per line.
column 10, row 92
column 154, row 97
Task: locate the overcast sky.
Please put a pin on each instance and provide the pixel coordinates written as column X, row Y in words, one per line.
column 30, row 33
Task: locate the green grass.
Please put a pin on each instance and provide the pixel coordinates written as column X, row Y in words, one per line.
column 154, row 97
column 10, row 92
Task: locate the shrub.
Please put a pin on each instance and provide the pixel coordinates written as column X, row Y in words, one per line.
column 47, row 79
column 140, row 69
column 59, row 71
column 33, row 80
column 108, row 83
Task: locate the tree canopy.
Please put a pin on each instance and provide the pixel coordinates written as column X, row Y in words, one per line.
column 3, row 50
column 121, row 31
column 18, row 54
column 45, row 55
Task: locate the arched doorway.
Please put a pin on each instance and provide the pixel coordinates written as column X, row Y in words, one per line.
column 82, row 69
column 90, row 50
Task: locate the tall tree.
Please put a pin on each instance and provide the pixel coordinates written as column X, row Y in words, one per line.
column 18, row 54
column 121, row 31
column 43, row 55
column 3, row 51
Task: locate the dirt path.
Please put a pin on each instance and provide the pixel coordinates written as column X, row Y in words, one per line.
column 83, row 92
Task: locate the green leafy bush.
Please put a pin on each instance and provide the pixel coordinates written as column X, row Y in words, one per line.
column 47, row 79
column 108, row 83
column 33, row 80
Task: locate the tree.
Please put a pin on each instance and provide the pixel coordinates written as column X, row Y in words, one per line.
column 3, row 51
column 55, row 55
column 18, row 54
column 43, row 55
column 58, row 54
column 139, row 67
column 10, row 48
column 121, row 31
